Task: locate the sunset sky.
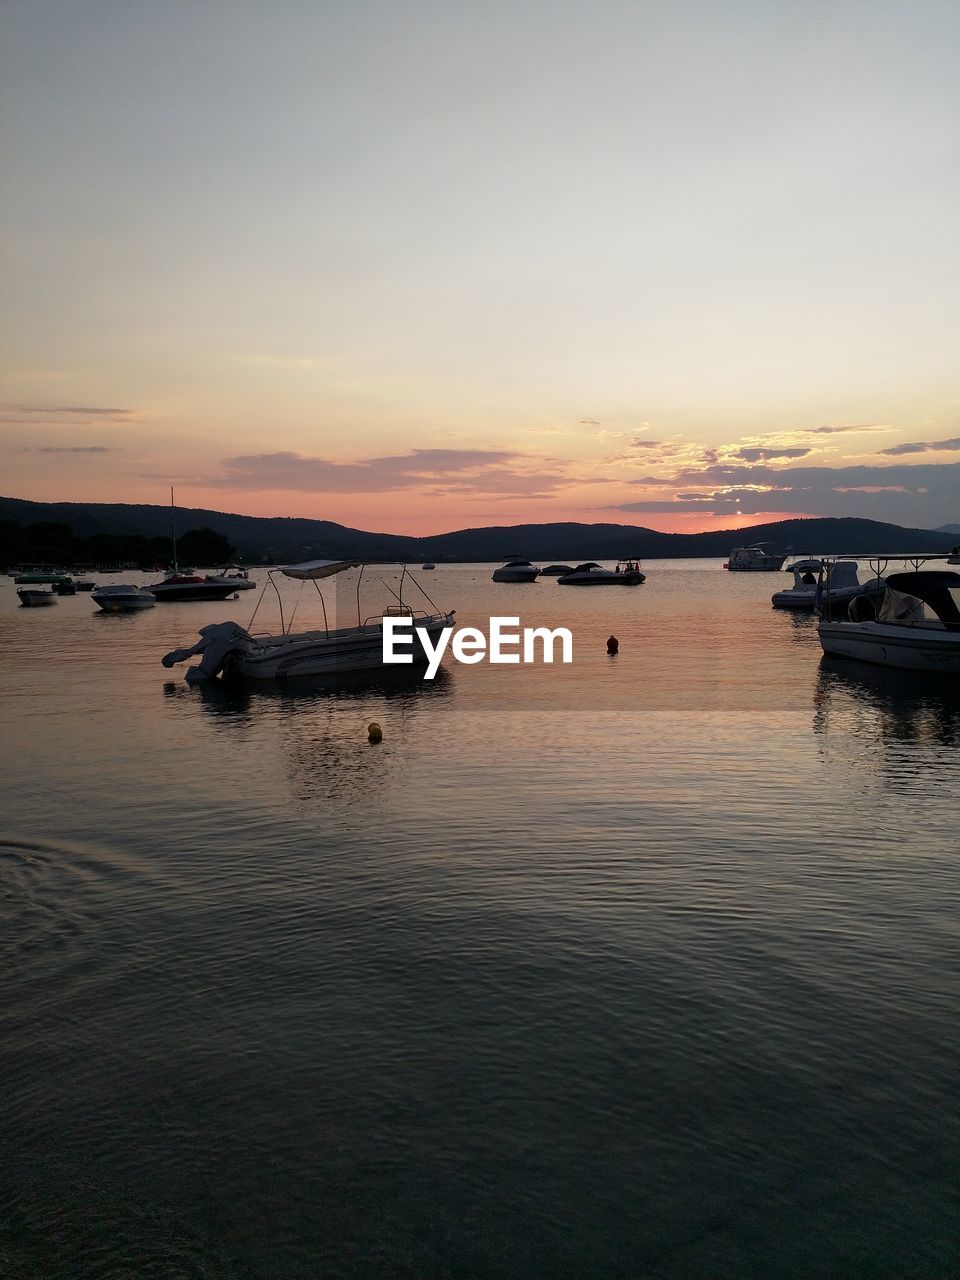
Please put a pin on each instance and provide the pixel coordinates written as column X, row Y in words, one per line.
column 421, row 266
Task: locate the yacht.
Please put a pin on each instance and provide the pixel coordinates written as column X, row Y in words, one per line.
column 34, row 597
column 122, row 598
column 516, row 569
column 916, row 625
column 762, row 557
column 592, row 574
column 231, row 651
column 844, row 585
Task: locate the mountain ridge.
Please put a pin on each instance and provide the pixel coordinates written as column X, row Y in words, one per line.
column 285, row 538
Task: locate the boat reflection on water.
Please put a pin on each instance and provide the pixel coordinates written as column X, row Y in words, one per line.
column 233, row 701
column 886, row 704
column 310, row 735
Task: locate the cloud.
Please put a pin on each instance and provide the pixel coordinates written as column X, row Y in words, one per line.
column 760, row 454
column 844, row 430
column 646, row 444
column 21, row 411
column 73, row 448
column 921, row 494
column 924, row 446
column 441, row 472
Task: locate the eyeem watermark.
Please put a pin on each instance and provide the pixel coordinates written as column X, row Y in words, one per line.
column 506, row 643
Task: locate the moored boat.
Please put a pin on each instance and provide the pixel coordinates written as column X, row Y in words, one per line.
column 916, row 625
column 845, row 585
column 762, row 557
column 35, row 597
column 555, row 570
column 231, row 651
column 178, row 586
column 122, row 598
column 234, row 576
column 627, row 574
column 515, row 569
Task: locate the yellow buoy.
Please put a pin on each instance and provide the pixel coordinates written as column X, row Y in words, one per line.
column 374, row 732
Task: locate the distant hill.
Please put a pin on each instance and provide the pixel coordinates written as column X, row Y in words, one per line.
column 279, row 539
column 953, row 529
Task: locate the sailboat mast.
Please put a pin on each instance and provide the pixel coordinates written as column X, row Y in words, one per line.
column 173, row 528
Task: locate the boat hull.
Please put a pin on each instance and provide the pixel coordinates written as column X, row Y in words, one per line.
column 123, row 604
column 516, row 575
column 602, row 580
column 910, row 648
column 177, row 592
column 36, row 599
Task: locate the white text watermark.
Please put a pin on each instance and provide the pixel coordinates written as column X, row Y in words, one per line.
column 405, row 642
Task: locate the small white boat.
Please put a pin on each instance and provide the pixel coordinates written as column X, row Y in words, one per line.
column 627, row 574
column 35, row 597
column 230, row 651
column 844, row 585
column 516, row 569
column 762, row 557
column 916, row 626
column 232, row 576
column 122, row 598
column 429, row 565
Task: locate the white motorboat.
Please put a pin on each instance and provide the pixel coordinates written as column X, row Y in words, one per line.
column 230, row 651
column 916, row 626
column 627, row 574
column 234, row 576
column 122, row 598
column 844, row 585
column 516, row 569
column 762, row 557
column 35, row 597
column 428, row 565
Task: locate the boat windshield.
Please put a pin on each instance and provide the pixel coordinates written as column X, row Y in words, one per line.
column 929, row 603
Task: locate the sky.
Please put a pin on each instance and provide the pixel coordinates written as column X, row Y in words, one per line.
column 425, row 266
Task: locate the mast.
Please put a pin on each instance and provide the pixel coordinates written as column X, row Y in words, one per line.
column 173, row 528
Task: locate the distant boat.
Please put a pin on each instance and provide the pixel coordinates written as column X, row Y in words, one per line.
column 762, row 557
column 555, row 570
column 515, row 569
column 234, row 576
column 592, row 574
column 32, row 577
column 122, row 598
column 429, row 565
column 183, row 584
column 34, row 597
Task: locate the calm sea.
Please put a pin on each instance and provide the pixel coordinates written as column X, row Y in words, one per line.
column 644, row 967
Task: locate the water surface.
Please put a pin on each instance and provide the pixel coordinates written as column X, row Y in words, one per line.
column 647, row 967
